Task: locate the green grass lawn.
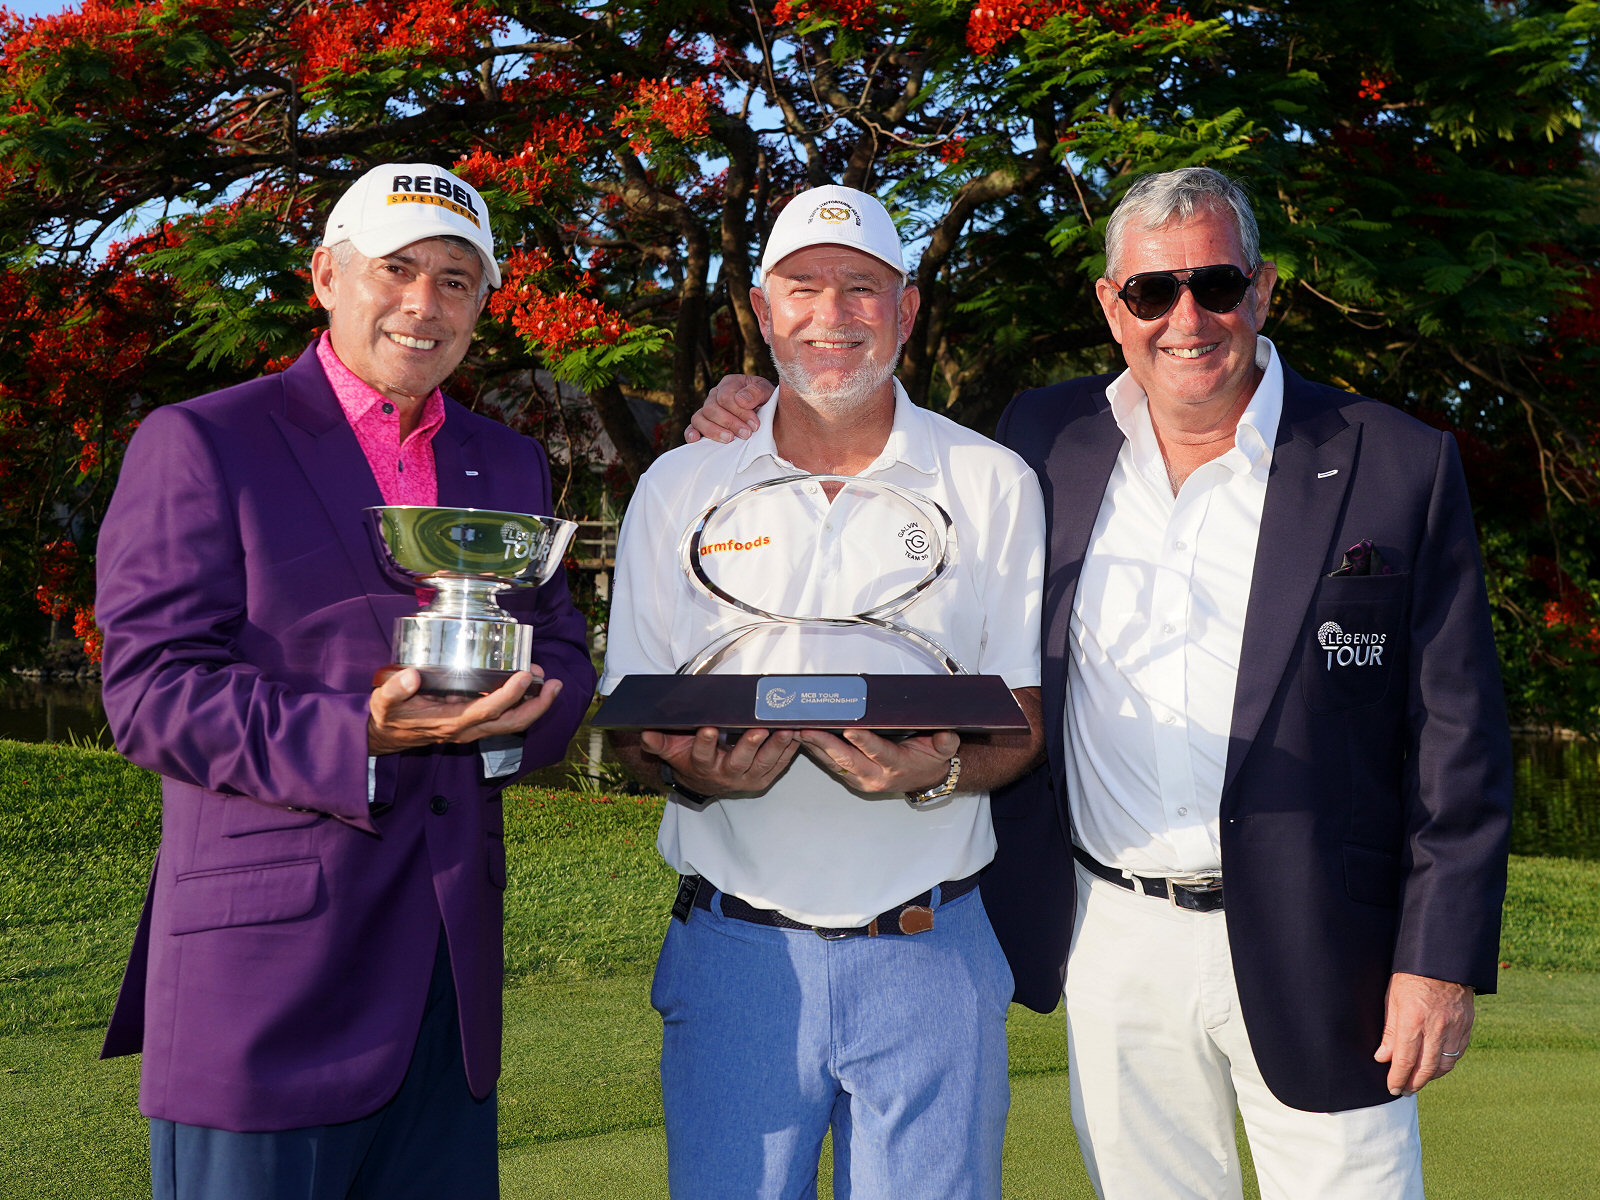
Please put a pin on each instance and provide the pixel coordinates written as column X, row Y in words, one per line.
column 580, row 1111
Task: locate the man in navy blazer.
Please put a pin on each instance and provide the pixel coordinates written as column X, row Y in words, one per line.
column 315, row 982
column 1284, row 898
column 1266, row 854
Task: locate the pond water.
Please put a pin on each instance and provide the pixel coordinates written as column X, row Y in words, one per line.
column 1557, row 781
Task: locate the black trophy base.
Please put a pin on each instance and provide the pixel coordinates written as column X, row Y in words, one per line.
column 453, row 681
column 890, row 705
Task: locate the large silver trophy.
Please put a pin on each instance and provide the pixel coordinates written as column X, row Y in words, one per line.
column 824, row 568
column 463, row 642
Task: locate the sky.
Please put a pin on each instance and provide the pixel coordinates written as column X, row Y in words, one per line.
column 23, row 9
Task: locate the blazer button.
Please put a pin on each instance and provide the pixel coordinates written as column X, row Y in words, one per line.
column 440, row 805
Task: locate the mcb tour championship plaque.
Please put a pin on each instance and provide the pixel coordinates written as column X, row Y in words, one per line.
column 821, row 582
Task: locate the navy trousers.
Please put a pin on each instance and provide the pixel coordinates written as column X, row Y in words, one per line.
column 433, row 1140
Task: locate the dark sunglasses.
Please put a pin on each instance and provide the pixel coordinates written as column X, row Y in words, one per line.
column 1151, row 294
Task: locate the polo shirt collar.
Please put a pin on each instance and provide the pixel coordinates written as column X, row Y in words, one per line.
column 357, row 397
column 910, row 442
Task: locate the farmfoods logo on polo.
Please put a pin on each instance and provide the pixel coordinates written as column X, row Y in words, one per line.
column 1351, row 649
column 721, row 547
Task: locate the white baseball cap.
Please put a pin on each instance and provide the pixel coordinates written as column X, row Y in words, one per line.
column 833, row 215
column 399, row 203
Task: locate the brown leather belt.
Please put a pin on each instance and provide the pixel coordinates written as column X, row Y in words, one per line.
column 914, row 916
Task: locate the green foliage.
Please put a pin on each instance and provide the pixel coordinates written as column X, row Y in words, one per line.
column 1552, row 915
column 592, row 366
column 588, row 894
column 78, row 832
column 1424, row 172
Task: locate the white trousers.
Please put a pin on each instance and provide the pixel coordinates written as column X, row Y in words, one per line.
column 1160, row 1060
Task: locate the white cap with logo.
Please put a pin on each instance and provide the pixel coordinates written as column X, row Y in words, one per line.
column 833, row 215
column 399, row 203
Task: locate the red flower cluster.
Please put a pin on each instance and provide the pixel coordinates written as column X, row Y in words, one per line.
column 953, row 151
column 659, row 105
column 1580, row 322
column 86, row 631
column 995, row 22
column 555, row 148
column 56, row 563
column 337, row 36
column 103, row 25
column 556, row 322
column 1572, row 614
column 852, row 14
column 1372, row 89
column 128, row 36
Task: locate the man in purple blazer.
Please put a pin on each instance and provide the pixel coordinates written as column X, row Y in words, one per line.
column 315, row 982
column 1266, row 855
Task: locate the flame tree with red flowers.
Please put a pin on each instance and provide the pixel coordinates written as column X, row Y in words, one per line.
column 1424, row 173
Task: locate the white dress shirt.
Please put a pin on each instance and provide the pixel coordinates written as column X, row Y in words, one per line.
column 1156, row 630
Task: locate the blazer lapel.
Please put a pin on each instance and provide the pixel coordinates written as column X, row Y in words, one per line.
column 463, row 481
column 1312, row 465
column 335, row 468
column 1078, row 466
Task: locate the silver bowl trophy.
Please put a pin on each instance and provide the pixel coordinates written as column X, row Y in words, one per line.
column 463, row 642
column 823, row 565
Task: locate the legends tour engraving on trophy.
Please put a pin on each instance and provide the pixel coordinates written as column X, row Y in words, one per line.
column 463, row 642
column 814, row 574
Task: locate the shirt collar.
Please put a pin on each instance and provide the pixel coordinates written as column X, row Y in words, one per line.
column 1258, row 424
column 910, row 441
column 357, row 397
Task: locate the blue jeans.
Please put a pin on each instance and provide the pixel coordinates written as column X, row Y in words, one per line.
column 897, row 1042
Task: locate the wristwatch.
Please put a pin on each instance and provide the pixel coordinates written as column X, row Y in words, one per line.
column 939, row 790
column 683, row 789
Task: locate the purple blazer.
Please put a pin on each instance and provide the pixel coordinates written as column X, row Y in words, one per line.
column 279, row 970
column 1365, row 813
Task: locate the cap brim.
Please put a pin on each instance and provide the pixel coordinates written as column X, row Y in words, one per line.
column 897, row 268
column 375, row 243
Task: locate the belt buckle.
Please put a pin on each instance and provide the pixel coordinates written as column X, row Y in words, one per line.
column 1201, row 883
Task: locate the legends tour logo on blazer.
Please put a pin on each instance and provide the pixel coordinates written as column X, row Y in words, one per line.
column 1350, row 649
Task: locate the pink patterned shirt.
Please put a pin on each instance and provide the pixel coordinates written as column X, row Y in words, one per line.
column 404, row 472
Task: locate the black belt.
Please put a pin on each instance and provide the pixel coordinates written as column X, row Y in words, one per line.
column 1197, row 894
column 914, row 916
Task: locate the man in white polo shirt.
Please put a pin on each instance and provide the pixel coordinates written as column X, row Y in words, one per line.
column 830, row 964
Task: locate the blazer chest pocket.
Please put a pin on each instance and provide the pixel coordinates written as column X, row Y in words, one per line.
column 258, row 894
column 1355, row 645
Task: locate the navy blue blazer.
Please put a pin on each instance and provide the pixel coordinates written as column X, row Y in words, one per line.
column 1365, row 809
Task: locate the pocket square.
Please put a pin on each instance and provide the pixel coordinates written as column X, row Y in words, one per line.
column 1362, row 559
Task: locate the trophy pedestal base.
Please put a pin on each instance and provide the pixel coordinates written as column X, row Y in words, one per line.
column 453, row 681
column 891, row 705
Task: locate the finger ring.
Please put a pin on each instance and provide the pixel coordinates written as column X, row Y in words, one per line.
column 1447, row 1054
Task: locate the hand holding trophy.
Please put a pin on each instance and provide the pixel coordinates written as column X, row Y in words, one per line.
column 463, row 642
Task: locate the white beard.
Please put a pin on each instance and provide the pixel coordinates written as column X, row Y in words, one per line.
column 848, row 393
